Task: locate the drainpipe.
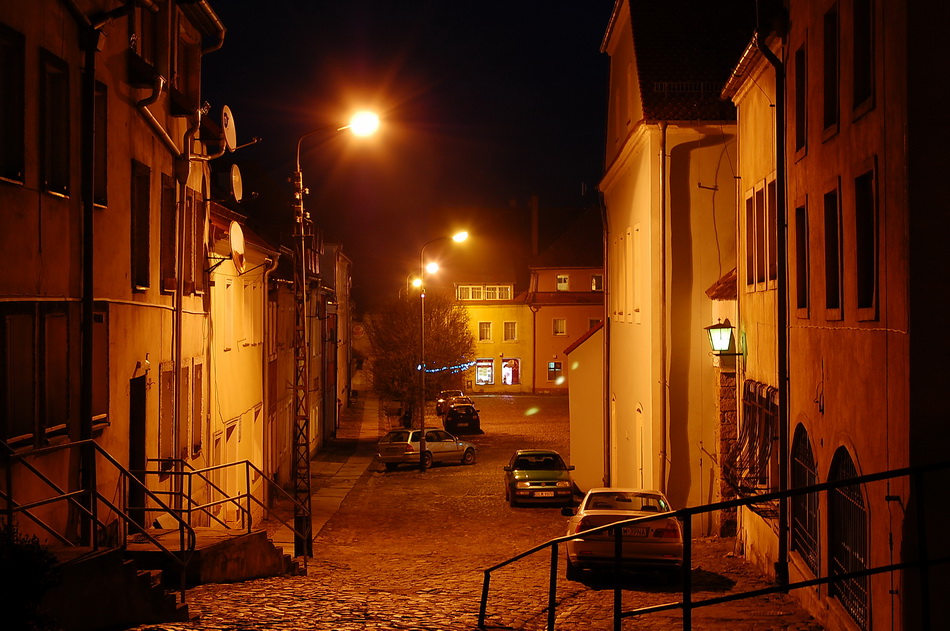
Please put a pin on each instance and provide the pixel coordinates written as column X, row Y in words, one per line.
column 781, row 565
column 271, row 265
column 664, row 385
column 608, row 442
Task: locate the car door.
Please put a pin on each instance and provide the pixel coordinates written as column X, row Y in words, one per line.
column 441, row 444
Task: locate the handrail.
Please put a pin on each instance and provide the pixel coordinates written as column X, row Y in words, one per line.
column 187, row 537
column 188, row 471
column 685, row 516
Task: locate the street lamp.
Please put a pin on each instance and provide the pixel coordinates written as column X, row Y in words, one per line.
column 362, row 124
column 423, row 268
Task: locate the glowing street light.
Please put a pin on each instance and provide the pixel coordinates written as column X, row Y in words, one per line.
column 362, row 124
column 423, row 268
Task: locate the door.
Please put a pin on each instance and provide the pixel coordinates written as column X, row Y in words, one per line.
column 136, row 500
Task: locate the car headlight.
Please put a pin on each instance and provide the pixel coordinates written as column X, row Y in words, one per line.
column 523, row 484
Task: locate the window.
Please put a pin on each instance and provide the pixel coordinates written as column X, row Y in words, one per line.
column 54, row 124
column 497, row 292
column 862, row 22
column 511, row 372
column 484, row 372
column 597, row 282
column 100, row 139
column 761, row 246
column 800, row 100
column 511, row 332
column 562, row 283
column 848, row 549
column 754, row 468
column 169, row 250
column 141, row 179
column 801, row 260
column 804, row 472
column 830, row 69
column 484, row 331
column 470, row 292
column 559, row 326
column 554, row 372
column 166, row 415
column 38, row 357
column 184, row 84
column 865, row 239
column 12, row 61
column 832, row 255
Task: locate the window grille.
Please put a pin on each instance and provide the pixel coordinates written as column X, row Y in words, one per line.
column 804, row 529
column 751, row 455
column 848, row 539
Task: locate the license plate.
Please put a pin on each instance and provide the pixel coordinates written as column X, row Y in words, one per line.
column 544, row 494
column 634, row 532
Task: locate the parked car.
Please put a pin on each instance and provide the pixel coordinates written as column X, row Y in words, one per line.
column 538, row 476
column 441, row 401
column 652, row 544
column 462, row 416
column 401, row 446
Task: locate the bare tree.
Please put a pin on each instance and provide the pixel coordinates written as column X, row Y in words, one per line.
column 394, row 338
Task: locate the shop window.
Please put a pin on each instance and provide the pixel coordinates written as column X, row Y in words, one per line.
column 511, row 372
column 484, row 372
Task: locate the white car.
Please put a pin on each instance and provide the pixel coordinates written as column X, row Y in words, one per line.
column 651, row 544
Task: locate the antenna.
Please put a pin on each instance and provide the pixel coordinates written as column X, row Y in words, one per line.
column 227, row 125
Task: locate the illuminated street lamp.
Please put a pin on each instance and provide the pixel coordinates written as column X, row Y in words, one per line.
column 423, row 268
column 362, row 124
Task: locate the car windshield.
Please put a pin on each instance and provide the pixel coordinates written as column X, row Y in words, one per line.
column 626, row 500
column 447, row 394
column 463, row 409
column 540, row 462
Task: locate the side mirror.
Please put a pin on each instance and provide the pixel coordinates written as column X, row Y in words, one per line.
column 507, row 468
column 570, row 467
column 568, row 511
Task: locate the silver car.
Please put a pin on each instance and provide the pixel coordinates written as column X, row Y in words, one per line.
column 401, row 446
column 651, row 544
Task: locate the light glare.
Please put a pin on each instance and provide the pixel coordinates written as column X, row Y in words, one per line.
column 364, row 123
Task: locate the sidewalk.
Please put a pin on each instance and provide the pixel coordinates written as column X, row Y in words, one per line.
column 336, row 468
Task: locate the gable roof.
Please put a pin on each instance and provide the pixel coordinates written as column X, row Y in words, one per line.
column 685, row 51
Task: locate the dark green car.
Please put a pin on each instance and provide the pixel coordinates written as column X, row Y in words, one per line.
column 538, row 476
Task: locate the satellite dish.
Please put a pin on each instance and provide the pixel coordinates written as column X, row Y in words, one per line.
column 227, row 125
column 237, row 186
column 236, row 237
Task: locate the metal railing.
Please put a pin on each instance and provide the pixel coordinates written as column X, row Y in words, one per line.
column 87, row 503
column 191, row 482
column 687, row 604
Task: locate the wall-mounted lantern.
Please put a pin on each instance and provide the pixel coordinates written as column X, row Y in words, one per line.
column 720, row 338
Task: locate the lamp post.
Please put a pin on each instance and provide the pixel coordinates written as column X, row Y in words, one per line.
column 458, row 238
column 362, row 124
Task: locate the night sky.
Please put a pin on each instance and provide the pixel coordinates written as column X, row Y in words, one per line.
column 483, row 105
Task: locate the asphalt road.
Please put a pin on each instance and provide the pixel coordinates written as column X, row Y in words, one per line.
column 407, row 550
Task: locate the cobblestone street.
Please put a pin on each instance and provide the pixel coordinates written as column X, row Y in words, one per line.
column 405, row 550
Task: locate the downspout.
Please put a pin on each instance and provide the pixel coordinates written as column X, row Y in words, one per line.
column 781, row 565
column 664, row 385
column 268, row 270
column 608, row 442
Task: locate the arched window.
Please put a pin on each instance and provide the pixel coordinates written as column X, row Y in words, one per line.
column 848, row 548
column 804, row 529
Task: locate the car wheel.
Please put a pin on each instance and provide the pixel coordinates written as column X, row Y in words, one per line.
column 468, row 457
column 572, row 572
column 427, row 460
column 511, row 499
column 391, row 466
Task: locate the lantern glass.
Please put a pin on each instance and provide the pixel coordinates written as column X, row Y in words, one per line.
column 720, row 337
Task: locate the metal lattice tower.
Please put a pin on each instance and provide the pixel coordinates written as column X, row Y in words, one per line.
column 303, row 537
